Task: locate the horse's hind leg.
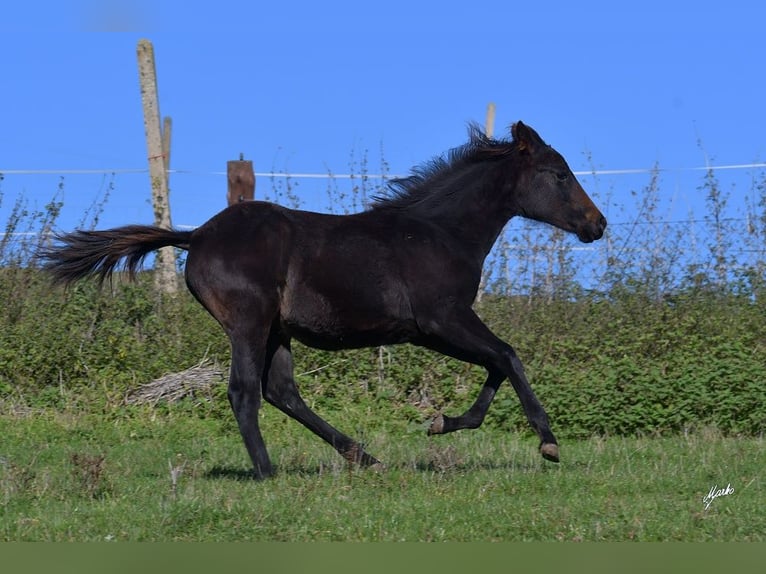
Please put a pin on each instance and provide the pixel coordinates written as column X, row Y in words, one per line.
column 247, row 361
column 280, row 390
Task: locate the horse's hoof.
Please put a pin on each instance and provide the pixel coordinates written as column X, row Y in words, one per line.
column 378, row 468
column 437, row 426
column 550, row 451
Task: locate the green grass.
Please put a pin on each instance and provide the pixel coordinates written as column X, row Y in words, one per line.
column 69, row 476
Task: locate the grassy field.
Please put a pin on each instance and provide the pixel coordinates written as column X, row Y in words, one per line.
column 159, row 476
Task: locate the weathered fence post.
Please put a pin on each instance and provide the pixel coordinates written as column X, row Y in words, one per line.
column 489, row 130
column 241, row 179
column 489, row 126
column 167, row 127
column 159, row 156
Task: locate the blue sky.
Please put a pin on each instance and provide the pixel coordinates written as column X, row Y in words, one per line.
column 304, row 86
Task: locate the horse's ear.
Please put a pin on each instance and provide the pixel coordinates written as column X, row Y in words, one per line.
column 526, row 138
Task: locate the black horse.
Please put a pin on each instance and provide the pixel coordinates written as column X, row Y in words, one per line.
column 405, row 270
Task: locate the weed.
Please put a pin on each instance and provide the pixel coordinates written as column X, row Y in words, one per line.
column 88, row 472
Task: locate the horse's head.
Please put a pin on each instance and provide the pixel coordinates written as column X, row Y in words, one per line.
column 548, row 191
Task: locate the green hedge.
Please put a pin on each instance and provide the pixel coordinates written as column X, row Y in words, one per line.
column 619, row 365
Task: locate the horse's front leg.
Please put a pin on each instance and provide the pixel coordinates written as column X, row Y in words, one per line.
column 461, row 334
column 474, row 416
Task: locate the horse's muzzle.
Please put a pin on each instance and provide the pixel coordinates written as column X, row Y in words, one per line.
column 592, row 230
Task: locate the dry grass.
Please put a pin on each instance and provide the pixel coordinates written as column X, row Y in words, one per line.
column 192, row 382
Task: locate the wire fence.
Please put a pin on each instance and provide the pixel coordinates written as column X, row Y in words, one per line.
column 384, row 176
column 646, row 242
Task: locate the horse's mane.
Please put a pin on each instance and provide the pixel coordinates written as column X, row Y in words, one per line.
column 436, row 175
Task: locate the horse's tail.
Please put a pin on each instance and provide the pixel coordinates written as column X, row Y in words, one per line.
column 98, row 253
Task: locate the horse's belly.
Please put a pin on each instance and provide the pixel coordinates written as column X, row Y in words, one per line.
column 345, row 323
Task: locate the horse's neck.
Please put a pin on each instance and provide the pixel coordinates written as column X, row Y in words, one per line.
column 477, row 220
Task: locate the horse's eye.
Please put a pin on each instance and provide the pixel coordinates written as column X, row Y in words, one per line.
column 562, row 176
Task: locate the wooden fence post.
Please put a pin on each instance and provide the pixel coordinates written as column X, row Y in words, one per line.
column 167, row 127
column 241, row 179
column 165, row 264
column 489, row 130
column 489, row 126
